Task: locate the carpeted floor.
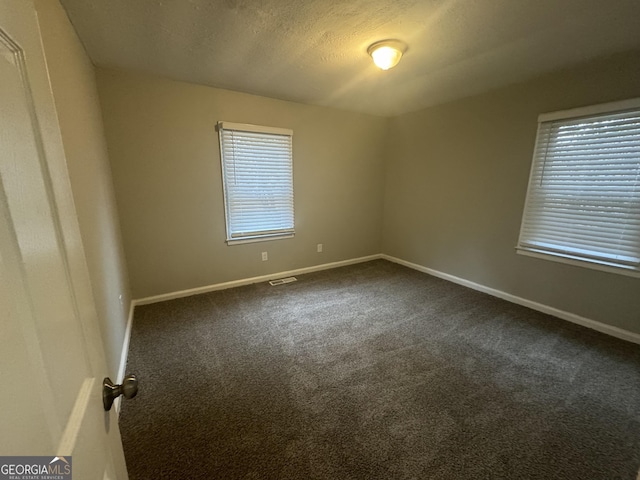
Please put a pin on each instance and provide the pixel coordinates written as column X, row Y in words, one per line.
column 375, row 371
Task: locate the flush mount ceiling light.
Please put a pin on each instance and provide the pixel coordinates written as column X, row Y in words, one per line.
column 387, row 53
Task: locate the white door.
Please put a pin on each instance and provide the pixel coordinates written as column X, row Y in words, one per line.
column 51, row 357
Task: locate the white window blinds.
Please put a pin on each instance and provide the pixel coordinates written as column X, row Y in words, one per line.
column 257, row 172
column 583, row 200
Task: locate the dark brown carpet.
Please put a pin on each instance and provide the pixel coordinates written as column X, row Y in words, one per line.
column 375, row 371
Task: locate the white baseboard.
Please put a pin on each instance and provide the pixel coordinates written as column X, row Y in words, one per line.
column 571, row 317
column 252, row 280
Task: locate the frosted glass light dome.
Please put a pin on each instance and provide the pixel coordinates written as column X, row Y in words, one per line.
column 387, row 53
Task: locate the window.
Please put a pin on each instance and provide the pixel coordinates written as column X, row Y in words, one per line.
column 257, row 176
column 583, row 201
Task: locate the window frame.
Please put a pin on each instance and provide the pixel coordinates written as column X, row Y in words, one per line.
column 564, row 256
column 235, row 238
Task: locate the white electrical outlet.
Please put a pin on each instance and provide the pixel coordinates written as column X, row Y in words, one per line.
column 265, row 256
column 319, row 248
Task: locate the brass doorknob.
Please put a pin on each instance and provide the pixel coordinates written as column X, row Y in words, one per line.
column 128, row 388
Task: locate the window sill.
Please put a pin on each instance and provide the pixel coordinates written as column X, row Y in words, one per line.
column 580, row 262
column 261, row 238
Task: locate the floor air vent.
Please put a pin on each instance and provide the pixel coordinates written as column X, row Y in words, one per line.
column 282, row 281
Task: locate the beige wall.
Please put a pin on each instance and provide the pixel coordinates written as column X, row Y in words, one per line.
column 454, row 179
column 165, row 160
column 74, row 89
column 456, row 184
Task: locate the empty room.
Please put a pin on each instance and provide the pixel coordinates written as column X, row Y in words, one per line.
column 255, row 239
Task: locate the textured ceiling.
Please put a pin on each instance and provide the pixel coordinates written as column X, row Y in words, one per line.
column 314, row 51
